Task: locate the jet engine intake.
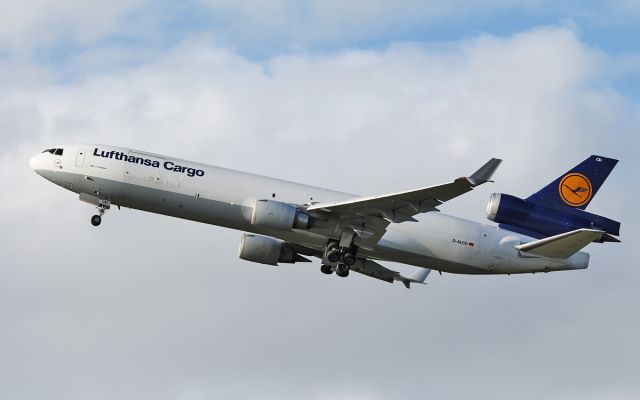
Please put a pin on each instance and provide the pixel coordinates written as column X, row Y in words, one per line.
column 278, row 215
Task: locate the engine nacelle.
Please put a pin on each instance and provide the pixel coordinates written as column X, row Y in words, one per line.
column 266, row 250
column 540, row 221
column 278, row 215
column 507, row 209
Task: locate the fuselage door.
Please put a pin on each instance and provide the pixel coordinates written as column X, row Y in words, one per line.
column 80, row 158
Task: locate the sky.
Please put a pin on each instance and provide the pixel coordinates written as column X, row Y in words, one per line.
column 364, row 97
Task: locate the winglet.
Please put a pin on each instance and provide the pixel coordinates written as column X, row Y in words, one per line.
column 485, row 172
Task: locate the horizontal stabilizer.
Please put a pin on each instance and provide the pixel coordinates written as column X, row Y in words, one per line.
column 563, row 245
column 375, row 270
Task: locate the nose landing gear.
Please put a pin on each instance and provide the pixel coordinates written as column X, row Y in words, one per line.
column 96, row 220
column 103, row 206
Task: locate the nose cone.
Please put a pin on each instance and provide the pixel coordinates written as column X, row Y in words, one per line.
column 37, row 162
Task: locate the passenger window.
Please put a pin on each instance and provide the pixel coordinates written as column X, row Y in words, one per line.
column 59, row 152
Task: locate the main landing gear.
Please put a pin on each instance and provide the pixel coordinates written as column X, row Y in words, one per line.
column 342, row 270
column 103, row 206
column 338, row 259
column 326, row 269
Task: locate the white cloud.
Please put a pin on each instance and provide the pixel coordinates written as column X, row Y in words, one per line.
column 152, row 307
column 52, row 30
column 26, row 24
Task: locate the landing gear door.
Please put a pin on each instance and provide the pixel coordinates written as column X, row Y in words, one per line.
column 80, row 158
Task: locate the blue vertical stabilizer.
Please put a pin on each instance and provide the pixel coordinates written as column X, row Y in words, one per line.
column 576, row 188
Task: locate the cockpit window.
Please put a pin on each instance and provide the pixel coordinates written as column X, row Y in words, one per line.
column 57, row 152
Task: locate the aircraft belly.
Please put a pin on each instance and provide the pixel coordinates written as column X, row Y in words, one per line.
column 420, row 260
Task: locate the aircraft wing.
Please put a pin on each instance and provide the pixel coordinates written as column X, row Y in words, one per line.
column 375, row 270
column 369, row 216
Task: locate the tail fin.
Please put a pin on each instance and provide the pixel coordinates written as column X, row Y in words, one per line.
column 576, row 187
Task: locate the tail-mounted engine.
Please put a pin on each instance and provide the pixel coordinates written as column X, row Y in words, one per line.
column 278, row 215
column 267, row 250
column 535, row 220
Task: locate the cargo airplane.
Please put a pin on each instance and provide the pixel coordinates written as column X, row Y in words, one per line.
column 285, row 222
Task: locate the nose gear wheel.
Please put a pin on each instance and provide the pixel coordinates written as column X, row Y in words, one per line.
column 103, row 206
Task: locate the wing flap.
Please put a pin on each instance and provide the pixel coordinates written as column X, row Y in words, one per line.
column 563, row 245
column 375, row 270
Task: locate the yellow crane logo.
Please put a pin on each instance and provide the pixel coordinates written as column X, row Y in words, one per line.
column 575, row 189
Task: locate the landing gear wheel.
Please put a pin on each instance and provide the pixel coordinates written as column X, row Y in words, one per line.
column 333, row 255
column 326, row 269
column 103, row 205
column 342, row 270
column 342, row 274
column 349, row 259
column 96, row 220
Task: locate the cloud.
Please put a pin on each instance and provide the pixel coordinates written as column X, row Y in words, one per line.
column 153, row 307
column 26, row 24
column 56, row 31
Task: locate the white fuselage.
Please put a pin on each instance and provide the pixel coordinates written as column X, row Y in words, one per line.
column 224, row 197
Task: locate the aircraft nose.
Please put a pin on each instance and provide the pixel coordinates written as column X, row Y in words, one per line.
column 32, row 162
column 36, row 162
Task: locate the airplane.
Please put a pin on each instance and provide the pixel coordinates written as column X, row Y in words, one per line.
column 286, row 222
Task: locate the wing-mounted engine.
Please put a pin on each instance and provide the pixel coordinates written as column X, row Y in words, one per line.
column 278, row 215
column 267, row 250
column 538, row 221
